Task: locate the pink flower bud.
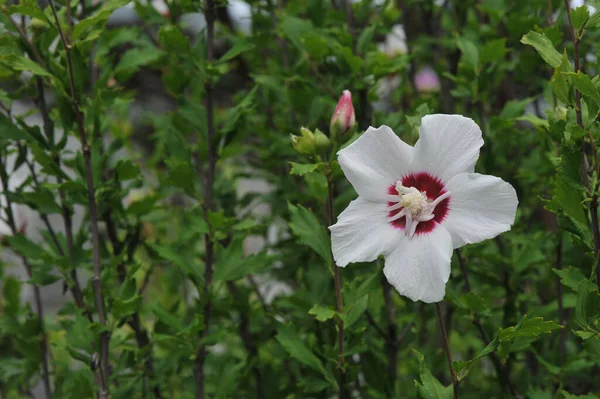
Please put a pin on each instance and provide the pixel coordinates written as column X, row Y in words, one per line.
column 343, row 118
column 426, row 80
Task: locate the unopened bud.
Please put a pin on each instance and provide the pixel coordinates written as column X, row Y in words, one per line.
column 306, row 143
column 343, row 118
column 321, row 140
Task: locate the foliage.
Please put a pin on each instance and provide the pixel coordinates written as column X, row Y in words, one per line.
column 182, row 192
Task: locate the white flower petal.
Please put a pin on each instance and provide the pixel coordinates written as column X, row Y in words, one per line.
column 447, row 145
column 481, row 207
column 375, row 161
column 420, row 267
column 362, row 233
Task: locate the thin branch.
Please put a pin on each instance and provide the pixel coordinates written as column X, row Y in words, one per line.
column 208, row 206
column 32, row 48
column 373, row 322
column 36, row 289
column 500, row 369
column 260, row 296
column 559, row 297
column 93, row 209
column 392, row 345
column 447, row 349
column 339, row 305
column 249, row 344
column 578, row 112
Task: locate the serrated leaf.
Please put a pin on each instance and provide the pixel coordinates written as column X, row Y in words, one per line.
column 544, row 47
column 98, row 19
column 470, row 53
column 240, row 46
column 584, row 84
column 172, row 39
column 306, row 227
column 527, row 328
column 20, row 63
column 430, row 387
column 321, row 313
column 127, row 170
column 29, row 8
column 571, row 277
column 232, row 265
column 301, row 169
column 295, row 346
column 365, row 38
column 493, row 50
column 25, row 246
column 579, row 17
column 462, row 368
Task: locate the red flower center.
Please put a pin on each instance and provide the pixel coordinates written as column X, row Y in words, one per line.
column 435, row 212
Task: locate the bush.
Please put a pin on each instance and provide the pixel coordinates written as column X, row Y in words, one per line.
column 165, row 237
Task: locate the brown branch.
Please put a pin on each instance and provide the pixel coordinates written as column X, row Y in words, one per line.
column 393, row 343
column 373, row 322
column 36, row 289
column 30, row 45
column 500, row 369
column 578, row 112
column 208, row 206
column 249, row 344
column 339, row 305
column 559, row 297
column 93, row 209
column 447, row 349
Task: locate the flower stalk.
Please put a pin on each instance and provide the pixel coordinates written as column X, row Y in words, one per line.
column 594, row 201
column 447, row 349
column 104, row 368
column 209, row 13
column 339, row 303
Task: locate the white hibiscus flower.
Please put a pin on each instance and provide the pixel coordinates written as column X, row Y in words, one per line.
column 416, row 204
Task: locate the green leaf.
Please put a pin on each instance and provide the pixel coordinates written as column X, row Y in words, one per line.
column 570, row 396
column 232, row 265
column 9, row 131
column 584, row 334
column 355, row 311
column 240, row 46
column 25, row 246
column 365, row 38
column 301, row 169
column 29, row 8
column 527, row 328
column 310, row 232
column 172, row 39
column 41, row 200
column 321, row 313
column 178, row 259
column 430, row 387
column 181, row 175
column 20, row 63
column 493, row 50
column 544, row 47
column 470, row 53
column 561, row 82
column 462, row 368
column 295, row 346
column 579, row 17
column 594, row 21
column 572, row 277
column 136, row 58
column 98, row 19
column 127, row 170
column 584, row 84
